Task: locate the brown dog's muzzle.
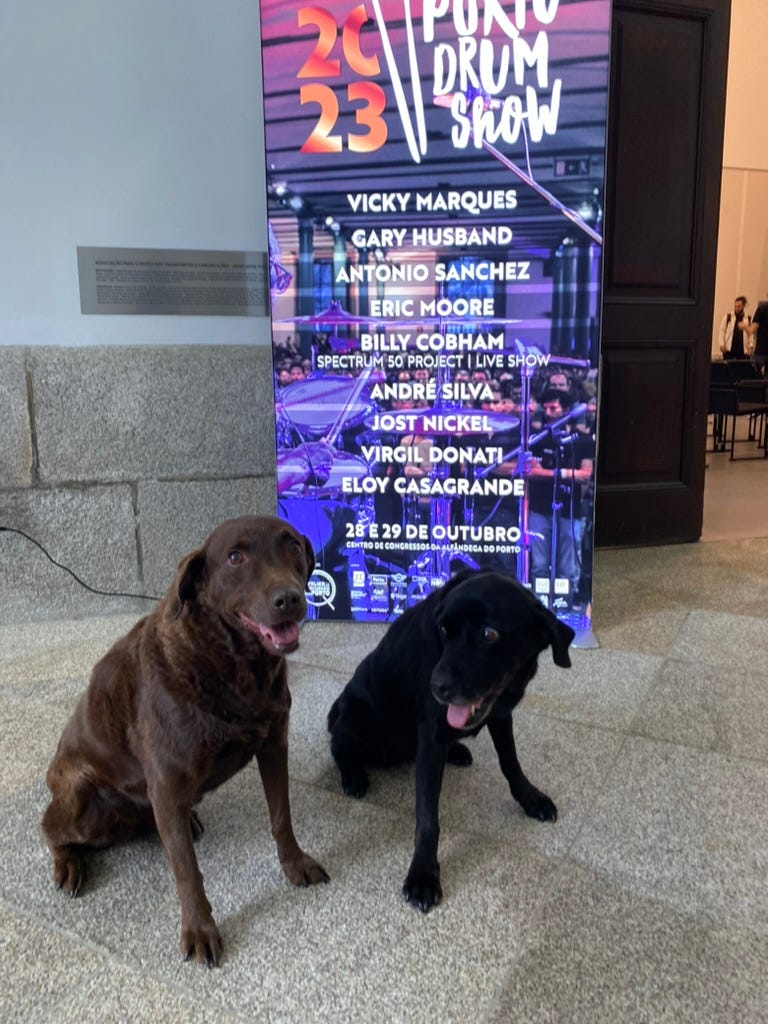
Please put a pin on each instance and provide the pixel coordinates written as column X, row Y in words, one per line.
column 276, row 621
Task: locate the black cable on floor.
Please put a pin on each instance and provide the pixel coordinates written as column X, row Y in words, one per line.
column 93, row 590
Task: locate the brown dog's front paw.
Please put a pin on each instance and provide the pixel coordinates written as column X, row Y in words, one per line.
column 305, row 871
column 69, row 873
column 202, row 943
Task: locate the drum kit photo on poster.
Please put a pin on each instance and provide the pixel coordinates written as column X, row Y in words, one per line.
column 403, row 470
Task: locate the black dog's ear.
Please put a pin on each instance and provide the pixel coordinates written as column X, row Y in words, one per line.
column 446, row 588
column 189, row 576
column 457, row 580
column 453, row 582
column 309, row 551
column 559, row 635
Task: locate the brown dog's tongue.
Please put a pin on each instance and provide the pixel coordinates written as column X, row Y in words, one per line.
column 283, row 634
column 458, row 716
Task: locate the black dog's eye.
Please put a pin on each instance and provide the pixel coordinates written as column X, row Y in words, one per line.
column 443, row 632
column 235, row 557
column 490, row 635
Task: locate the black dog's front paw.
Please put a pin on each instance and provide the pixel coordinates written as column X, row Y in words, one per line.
column 539, row 806
column 421, row 888
column 459, row 754
column 354, row 781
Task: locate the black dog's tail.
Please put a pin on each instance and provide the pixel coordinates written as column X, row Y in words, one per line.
column 333, row 714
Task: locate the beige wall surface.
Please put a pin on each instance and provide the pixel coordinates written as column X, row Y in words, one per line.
column 746, row 142
column 742, row 256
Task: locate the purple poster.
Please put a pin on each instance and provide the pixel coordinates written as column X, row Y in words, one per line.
column 435, row 193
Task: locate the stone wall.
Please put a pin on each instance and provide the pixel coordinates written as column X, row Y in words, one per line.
column 119, row 460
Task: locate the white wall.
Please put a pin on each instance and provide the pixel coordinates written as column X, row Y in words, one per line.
column 125, row 124
column 742, row 256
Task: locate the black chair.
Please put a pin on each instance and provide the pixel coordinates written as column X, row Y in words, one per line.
column 731, row 402
column 746, row 375
column 719, row 375
column 719, row 372
column 743, row 369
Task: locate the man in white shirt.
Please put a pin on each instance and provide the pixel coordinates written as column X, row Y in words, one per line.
column 735, row 341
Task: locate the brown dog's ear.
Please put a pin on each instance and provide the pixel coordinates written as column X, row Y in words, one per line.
column 309, row 551
column 559, row 635
column 189, row 575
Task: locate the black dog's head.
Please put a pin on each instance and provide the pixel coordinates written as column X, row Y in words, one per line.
column 491, row 632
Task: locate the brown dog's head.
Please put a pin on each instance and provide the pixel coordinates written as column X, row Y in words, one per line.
column 252, row 572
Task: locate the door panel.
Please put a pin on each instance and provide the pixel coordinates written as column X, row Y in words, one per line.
column 649, row 441
column 668, row 75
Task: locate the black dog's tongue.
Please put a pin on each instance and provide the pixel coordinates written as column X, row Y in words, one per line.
column 458, row 716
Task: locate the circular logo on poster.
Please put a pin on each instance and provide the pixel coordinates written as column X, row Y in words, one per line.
column 322, row 589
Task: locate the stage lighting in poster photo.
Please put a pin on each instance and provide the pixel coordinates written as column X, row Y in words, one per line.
column 435, row 180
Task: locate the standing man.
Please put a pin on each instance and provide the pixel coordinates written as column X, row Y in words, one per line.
column 735, row 341
column 758, row 330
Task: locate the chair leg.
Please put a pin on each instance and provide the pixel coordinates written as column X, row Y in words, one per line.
column 719, row 432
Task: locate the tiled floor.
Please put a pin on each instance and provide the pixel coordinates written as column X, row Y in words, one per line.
column 647, row 901
column 736, row 493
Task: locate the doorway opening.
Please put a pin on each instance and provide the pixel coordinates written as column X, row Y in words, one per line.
column 735, row 492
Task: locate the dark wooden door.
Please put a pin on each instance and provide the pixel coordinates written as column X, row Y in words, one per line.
column 667, row 100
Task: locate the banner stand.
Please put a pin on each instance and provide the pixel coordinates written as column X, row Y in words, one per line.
column 435, row 180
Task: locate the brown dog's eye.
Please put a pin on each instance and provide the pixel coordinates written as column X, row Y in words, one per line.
column 490, row 635
column 234, row 557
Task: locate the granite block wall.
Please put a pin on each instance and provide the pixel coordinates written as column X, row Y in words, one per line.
column 119, row 460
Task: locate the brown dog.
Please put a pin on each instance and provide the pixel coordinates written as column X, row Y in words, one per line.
column 176, row 707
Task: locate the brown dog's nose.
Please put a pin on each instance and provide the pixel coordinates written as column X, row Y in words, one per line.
column 287, row 601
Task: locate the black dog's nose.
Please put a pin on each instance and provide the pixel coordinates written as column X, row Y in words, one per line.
column 287, row 600
column 441, row 688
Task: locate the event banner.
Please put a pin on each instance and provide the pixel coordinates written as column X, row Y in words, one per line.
column 435, row 192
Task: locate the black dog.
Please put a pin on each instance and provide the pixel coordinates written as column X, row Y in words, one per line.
column 456, row 662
